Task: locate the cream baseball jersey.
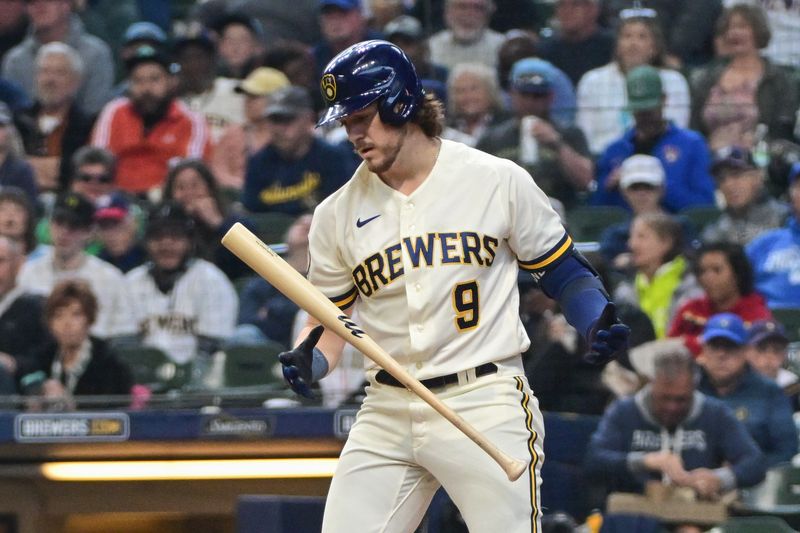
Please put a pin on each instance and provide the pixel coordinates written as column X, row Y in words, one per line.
column 202, row 302
column 435, row 272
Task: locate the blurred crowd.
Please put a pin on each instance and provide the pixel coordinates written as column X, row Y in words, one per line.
column 133, row 135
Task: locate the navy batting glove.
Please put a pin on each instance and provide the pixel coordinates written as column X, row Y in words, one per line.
column 298, row 363
column 607, row 336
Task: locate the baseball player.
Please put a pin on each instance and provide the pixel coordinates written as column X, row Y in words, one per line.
column 426, row 240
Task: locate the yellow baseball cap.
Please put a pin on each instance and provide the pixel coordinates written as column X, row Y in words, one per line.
column 263, row 81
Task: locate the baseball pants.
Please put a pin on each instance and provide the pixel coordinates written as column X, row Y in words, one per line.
column 400, row 450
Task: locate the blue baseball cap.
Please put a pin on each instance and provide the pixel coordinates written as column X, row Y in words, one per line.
column 532, row 76
column 197, row 36
column 344, row 5
column 732, row 157
column 146, row 53
column 725, row 326
column 114, row 207
column 144, row 31
column 767, row 329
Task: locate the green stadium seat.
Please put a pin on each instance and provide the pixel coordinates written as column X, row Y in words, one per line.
column 152, row 367
column 587, row 223
column 253, row 365
column 790, row 318
column 230, row 196
column 700, row 216
column 754, row 524
column 777, row 496
column 271, row 227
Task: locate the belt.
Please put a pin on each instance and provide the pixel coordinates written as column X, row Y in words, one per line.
column 386, row 378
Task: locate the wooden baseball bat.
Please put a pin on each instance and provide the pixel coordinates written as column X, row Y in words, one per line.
column 269, row 265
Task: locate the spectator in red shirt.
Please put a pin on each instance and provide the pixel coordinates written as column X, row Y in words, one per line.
column 726, row 277
column 149, row 128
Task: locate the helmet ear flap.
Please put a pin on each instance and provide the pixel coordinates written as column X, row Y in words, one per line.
column 398, row 107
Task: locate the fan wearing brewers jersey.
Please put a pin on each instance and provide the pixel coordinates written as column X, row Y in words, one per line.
column 425, row 241
column 185, row 305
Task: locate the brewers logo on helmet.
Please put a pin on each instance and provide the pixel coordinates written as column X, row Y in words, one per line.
column 369, row 72
column 328, row 86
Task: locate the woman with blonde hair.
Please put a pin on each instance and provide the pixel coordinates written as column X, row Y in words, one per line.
column 662, row 279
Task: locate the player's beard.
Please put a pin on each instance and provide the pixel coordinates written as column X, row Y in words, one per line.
column 387, row 154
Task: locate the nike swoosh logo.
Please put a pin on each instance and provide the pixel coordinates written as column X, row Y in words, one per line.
column 361, row 223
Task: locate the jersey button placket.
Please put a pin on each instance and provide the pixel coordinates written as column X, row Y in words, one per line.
column 414, row 296
column 409, row 218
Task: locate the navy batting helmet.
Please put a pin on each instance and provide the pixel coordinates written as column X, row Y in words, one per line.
column 368, row 72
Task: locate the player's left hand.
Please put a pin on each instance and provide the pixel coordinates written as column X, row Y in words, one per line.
column 297, row 363
column 606, row 337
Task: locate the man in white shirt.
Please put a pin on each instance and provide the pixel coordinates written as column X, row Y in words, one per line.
column 467, row 38
column 71, row 226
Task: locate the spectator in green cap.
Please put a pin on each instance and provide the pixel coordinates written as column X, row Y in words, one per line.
column 682, row 152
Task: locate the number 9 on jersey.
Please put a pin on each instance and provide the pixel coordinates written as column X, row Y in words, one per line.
column 466, row 304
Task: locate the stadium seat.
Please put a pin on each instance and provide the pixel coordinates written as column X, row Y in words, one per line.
column 620, row 523
column 230, row 195
column 253, row 365
column 279, row 514
column 754, row 524
column 587, row 223
column 778, row 496
column 240, row 283
column 152, row 367
column 700, row 216
column 790, row 318
column 271, row 227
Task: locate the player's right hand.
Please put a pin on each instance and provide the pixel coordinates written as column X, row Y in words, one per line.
column 297, row 363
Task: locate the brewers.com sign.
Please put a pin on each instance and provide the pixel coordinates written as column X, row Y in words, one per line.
column 71, row 427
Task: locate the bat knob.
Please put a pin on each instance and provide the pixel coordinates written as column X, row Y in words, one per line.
column 514, row 469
